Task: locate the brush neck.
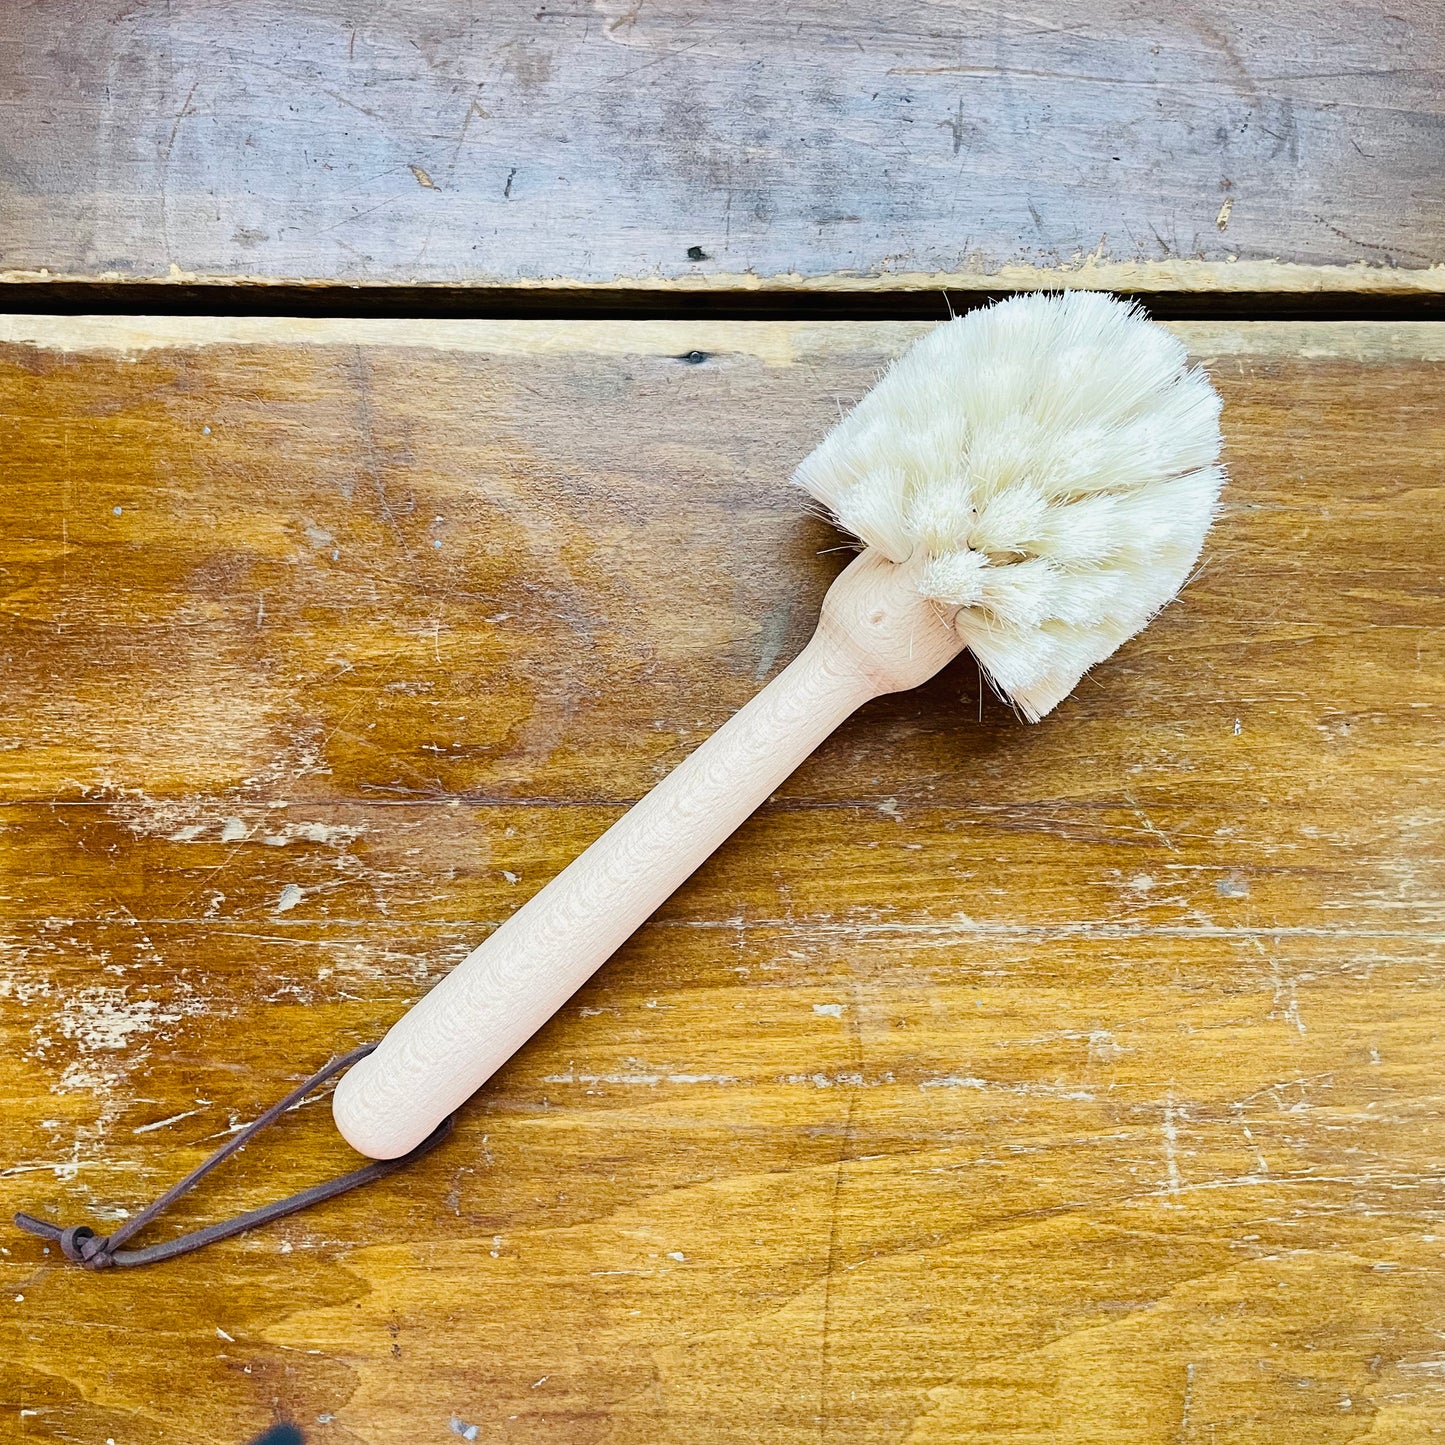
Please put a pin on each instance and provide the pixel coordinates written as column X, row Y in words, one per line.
column 877, row 626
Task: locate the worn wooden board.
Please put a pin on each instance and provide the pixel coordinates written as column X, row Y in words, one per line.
column 1202, row 144
column 1075, row 1082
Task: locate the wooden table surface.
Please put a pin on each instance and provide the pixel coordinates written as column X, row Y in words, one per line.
column 997, row 1084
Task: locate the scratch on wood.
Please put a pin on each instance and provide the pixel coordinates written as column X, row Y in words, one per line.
column 831, row 1266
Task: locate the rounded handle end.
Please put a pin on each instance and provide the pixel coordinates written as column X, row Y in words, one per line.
column 377, row 1133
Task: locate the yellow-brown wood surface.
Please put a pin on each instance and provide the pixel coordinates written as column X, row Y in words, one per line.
column 997, row 1083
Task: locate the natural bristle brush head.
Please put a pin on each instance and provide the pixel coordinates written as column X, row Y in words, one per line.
column 1049, row 465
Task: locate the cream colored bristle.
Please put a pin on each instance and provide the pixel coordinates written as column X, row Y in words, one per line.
column 1051, row 462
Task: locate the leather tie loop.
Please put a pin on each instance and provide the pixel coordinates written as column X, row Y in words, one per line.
column 81, row 1245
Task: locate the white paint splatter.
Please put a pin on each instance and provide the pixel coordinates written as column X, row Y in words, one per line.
column 953, row 1081
column 335, row 834
column 106, row 1026
column 1103, row 1049
column 831, row 1081
column 1043, row 1090
column 101, row 1019
column 191, row 820
column 640, row 1079
column 1171, row 1144
column 650, row 1080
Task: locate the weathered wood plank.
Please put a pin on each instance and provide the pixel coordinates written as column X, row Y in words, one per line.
column 1211, row 143
column 994, row 1084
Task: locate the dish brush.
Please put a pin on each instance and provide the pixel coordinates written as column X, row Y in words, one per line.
column 1032, row 482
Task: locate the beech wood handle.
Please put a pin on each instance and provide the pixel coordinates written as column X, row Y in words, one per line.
column 876, row 635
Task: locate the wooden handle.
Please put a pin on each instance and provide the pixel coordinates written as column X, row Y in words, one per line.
column 876, row 635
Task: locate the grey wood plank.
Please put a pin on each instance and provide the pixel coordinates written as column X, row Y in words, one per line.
column 1207, row 143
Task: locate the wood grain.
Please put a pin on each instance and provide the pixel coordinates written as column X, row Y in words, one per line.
column 995, row 1083
column 638, row 142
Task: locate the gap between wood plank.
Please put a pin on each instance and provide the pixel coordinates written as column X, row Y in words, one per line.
column 602, row 303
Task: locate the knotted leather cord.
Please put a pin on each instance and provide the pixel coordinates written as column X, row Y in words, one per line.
column 83, row 1246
